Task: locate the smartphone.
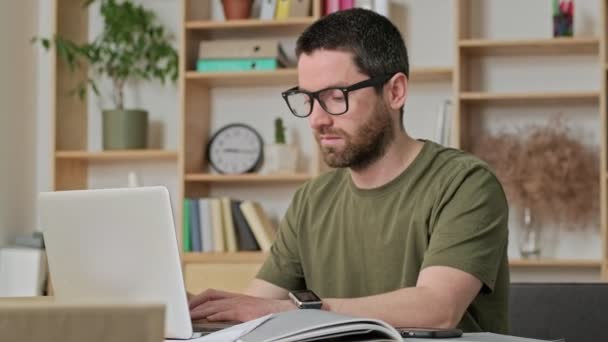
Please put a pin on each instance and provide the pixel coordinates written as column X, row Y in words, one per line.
column 429, row 332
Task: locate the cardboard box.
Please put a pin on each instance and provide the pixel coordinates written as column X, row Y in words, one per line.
column 43, row 319
column 239, row 48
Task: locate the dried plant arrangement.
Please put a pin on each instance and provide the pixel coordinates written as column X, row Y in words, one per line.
column 545, row 168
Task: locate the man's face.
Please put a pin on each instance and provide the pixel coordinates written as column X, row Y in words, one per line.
column 359, row 137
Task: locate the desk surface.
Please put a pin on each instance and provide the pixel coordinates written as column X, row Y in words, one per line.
column 479, row 337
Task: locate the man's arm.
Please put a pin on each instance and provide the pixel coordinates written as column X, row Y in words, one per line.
column 439, row 300
column 263, row 289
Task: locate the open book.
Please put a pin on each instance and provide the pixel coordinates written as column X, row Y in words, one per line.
column 306, row 325
column 316, row 325
column 312, row 325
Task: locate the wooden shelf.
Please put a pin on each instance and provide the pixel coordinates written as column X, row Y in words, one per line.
column 290, row 77
column 558, row 46
column 245, row 78
column 238, row 257
column 117, row 155
column 431, row 74
column 589, row 96
column 249, row 24
column 555, row 263
column 247, row 178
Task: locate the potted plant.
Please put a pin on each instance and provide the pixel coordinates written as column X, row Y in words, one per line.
column 280, row 157
column 550, row 178
column 237, row 9
column 132, row 46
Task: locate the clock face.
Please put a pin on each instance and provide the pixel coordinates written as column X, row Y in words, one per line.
column 236, row 148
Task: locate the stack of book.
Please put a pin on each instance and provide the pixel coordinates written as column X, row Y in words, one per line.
column 225, row 225
column 240, row 55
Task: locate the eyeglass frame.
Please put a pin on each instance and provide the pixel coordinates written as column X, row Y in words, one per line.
column 370, row 82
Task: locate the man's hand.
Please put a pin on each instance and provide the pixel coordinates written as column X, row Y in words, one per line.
column 215, row 305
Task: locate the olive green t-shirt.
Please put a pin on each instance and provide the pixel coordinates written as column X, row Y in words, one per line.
column 446, row 209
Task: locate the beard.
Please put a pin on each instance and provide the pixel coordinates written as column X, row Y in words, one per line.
column 365, row 146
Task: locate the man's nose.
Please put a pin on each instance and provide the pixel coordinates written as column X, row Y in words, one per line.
column 319, row 118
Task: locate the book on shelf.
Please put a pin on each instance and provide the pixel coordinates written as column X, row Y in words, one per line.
column 382, row 7
column 299, row 8
column 206, row 224
column 366, row 4
column 282, row 10
column 217, row 218
column 267, row 8
column 229, row 232
column 186, row 232
column 260, row 224
column 331, row 6
column 195, row 227
column 346, row 4
column 245, row 237
column 225, row 225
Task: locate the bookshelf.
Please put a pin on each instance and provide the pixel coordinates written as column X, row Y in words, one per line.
column 210, row 26
column 470, row 96
column 109, row 156
column 247, row 78
column 231, row 271
column 431, row 74
column 71, row 159
column 530, row 46
column 247, row 178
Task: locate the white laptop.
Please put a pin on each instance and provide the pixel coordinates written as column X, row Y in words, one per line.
column 116, row 244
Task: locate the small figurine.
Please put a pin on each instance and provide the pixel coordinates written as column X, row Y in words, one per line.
column 563, row 16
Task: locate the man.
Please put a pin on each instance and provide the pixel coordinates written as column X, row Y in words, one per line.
column 403, row 230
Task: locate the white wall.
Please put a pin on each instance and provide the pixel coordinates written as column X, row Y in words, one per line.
column 17, row 118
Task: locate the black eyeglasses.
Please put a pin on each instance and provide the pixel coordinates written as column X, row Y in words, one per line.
column 334, row 100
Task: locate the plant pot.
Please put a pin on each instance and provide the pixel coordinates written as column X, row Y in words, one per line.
column 237, row 9
column 125, row 129
column 280, row 158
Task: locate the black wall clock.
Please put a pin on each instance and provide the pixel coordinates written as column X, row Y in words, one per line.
column 235, row 149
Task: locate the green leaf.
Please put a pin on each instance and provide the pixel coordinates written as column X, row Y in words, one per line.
column 133, row 45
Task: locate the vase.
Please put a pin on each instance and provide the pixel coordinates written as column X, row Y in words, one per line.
column 280, row 158
column 237, row 9
column 125, row 129
column 529, row 238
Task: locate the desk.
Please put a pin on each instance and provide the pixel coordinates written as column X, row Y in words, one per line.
column 42, row 319
column 479, row 337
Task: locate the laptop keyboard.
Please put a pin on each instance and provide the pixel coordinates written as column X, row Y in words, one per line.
column 206, row 328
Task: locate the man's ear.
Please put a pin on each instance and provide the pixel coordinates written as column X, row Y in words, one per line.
column 396, row 91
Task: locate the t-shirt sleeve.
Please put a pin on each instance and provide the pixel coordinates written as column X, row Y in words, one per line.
column 470, row 230
column 283, row 266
